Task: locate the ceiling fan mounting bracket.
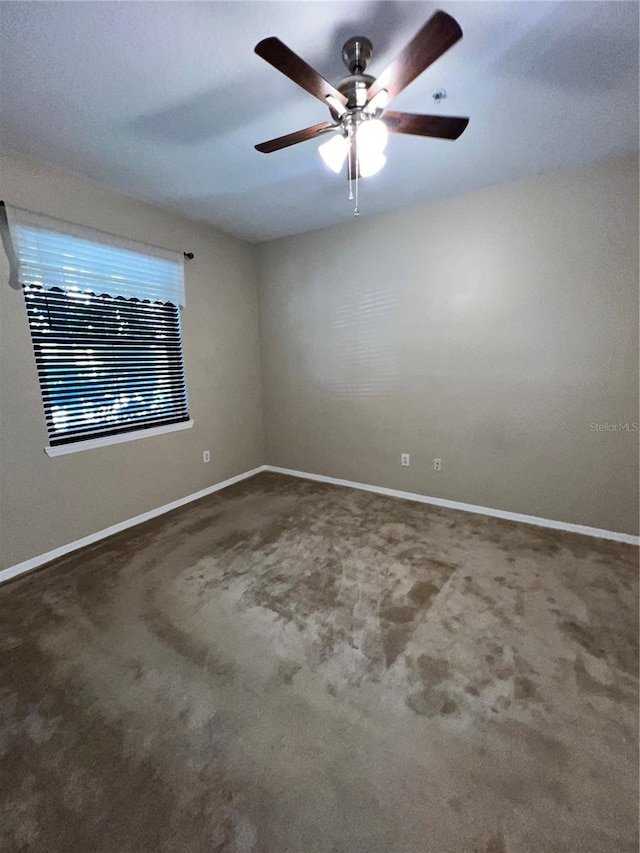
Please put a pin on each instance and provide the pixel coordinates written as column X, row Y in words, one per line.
column 356, row 54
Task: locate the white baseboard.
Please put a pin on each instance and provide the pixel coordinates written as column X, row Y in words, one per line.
column 479, row 510
column 34, row 562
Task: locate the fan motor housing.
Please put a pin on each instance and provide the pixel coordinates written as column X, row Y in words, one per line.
column 354, row 88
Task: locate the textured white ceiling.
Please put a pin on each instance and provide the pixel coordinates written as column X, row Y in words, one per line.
column 166, row 100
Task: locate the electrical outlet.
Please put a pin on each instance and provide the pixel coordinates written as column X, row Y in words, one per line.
column 404, row 459
column 206, row 456
column 437, row 464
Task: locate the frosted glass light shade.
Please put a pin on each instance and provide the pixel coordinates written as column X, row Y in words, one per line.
column 334, row 152
column 372, row 136
column 371, row 163
column 378, row 102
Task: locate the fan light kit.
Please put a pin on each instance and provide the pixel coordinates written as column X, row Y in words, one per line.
column 361, row 124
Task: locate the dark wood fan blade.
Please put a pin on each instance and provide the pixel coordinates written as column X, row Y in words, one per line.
column 293, row 138
column 273, row 51
column 442, row 127
column 438, row 34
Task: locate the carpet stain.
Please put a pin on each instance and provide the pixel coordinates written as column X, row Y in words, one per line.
column 589, row 639
column 287, row 671
column 524, row 688
column 422, row 592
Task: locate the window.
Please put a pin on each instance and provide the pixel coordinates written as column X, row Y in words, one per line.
column 105, row 326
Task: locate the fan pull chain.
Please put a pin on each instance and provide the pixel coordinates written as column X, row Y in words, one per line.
column 356, row 210
column 349, row 166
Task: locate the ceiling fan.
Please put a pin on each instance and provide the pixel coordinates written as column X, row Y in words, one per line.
column 360, row 121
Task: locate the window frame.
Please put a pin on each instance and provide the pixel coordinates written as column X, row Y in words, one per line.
column 174, row 296
column 120, row 438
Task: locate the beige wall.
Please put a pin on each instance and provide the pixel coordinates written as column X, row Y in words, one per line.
column 47, row 503
column 489, row 330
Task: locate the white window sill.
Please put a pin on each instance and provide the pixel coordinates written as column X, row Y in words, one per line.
column 93, row 443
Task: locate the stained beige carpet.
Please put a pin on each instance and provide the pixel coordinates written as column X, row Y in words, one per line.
column 288, row 666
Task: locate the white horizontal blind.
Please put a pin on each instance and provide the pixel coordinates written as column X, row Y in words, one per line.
column 109, row 359
column 52, row 253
